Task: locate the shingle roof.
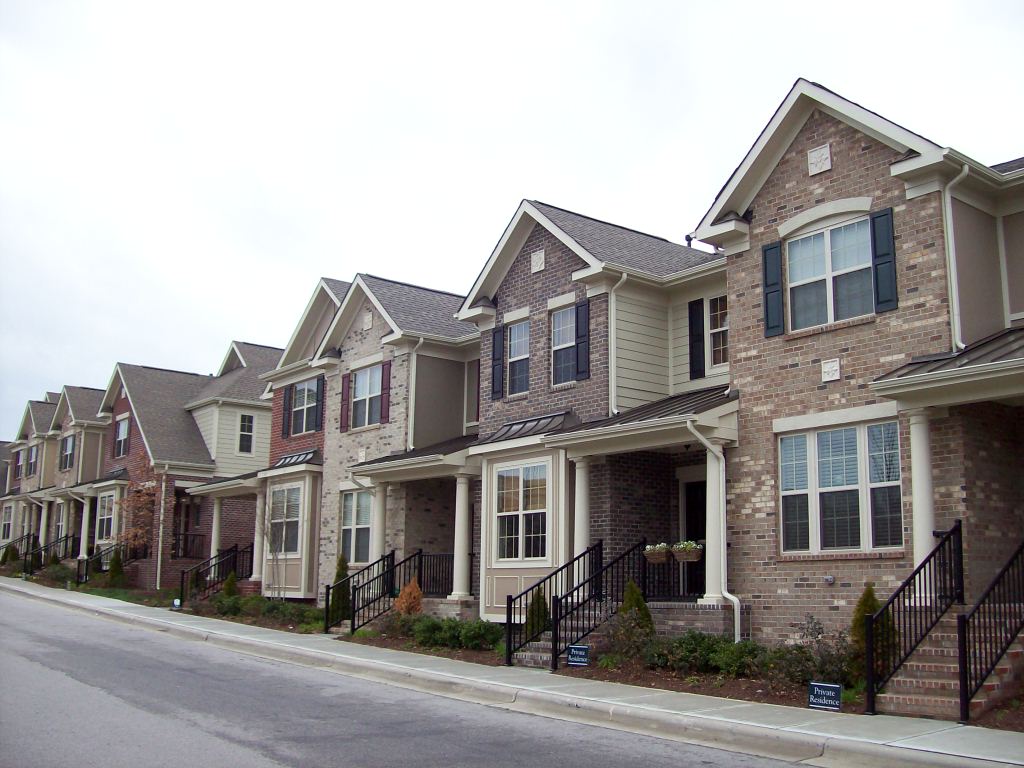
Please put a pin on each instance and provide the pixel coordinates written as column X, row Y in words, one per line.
column 421, row 310
column 338, row 287
column 626, row 248
column 1000, row 347
column 243, row 383
column 84, row 402
column 695, row 402
column 42, row 414
column 1009, row 166
column 158, row 398
column 437, row 449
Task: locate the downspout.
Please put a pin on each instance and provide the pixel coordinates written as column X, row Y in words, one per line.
column 613, row 405
column 160, row 531
column 951, row 266
column 410, row 416
column 736, row 618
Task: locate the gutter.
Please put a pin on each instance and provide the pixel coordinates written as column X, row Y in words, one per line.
column 952, row 281
column 736, row 617
column 612, row 347
column 160, row 530
column 410, row 417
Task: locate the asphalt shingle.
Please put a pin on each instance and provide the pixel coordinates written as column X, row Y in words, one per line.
column 421, row 310
column 158, row 399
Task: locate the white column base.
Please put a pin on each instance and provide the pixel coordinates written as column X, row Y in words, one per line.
column 711, row 600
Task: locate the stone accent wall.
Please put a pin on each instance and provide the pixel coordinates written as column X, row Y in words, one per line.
column 781, row 376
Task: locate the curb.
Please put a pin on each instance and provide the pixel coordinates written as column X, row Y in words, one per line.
column 745, row 738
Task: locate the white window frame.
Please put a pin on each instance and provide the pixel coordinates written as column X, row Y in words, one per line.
column 522, row 324
column 250, row 433
column 105, row 517
column 282, row 517
column 121, row 441
column 571, row 313
column 354, row 526
column 711, row 332
column 829, row 275
column 32, row 464
column 308, row 407
column 19, row 464
column 363, row 402
column 520, row 514
column 58, row 524
column 67, row 458
column 863, row 486
column 7, row 523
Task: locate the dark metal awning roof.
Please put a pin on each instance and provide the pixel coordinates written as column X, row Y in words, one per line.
column 538, row 425
column 1002, row 347
column 695, row 402
column 294, row 459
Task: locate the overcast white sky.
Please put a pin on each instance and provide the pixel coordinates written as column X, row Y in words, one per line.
column 177, row 175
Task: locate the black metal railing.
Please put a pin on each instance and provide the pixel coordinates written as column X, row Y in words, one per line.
column 437, row 575
column 518, row 631
column 374, row 597
column 666, row 583
column 207, row 577
column 188, row 546
column 333, row 614
column 987, row 631
column 20, row 543
column 99, row 561
column 63, row 548
column 912, row 611
column 581, row 610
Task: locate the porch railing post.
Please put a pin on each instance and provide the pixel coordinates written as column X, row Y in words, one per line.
column 963, row 662
column 327, row 608
column 508, row 630
column 353, row 604
column 182, row 590
column 556, row 619
column 643, row 568
column 869, row 663
column 958, row 562
column 419, row 569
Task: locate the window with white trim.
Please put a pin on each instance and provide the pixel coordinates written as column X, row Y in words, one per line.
column 522, row 512
column 563, row 345
column 19, row 467
column 67, row 452
column 829, row 275
column 246, row 426
column 33, row 460
column 121, row 438
column 304, row 402
column 105, row 518
column 285, row 504
column 6, row 523
column 366, row 396
column 718, row 329
column 59, row 524
column 356, row 507
column 841, row 489
column 519, row 357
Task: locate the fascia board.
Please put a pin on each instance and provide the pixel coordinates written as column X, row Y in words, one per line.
column 478, row 284
column 63, row 399
column 225, row 401
column 107, row 404
column 298, row 469
column 233, row 348
column 321, row 288
column 506, row 445
column 932, row 379
column 224, row 489
column 346, row 315
column 619, row 430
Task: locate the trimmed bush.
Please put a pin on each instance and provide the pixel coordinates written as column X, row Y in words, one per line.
column 6, row 555
column 230, row 588
column 227, row 605
column 737, row 659
column 341, row 599
column 633, row 600
column 252, row 605
column 115, row 570
column 687, row 654
column 54, row 559
column 425, row 630
column 480, row 635
column 867, row 605
column 410, row 599
column 538, row 620
column 58, row 572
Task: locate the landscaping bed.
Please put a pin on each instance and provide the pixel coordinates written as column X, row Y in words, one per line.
column 489, row 658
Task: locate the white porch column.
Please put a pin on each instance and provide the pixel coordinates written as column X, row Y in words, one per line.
column 713, row 534
column 115, row 521
column 380, row 506
column 215, row 530
column 83, row 547
column 463, row 522
column 922, row 497
column 44, row 525
column 581, row 519
column 258, row 537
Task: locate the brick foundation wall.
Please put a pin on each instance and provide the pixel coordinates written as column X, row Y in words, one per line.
column 674, row 619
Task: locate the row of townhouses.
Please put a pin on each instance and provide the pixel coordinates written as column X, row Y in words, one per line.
column 818, row 398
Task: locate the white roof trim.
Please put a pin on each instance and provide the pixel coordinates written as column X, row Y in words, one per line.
column 329, row 337
column 320, row 286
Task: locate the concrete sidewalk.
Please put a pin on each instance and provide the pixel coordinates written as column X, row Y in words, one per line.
column 797, row 735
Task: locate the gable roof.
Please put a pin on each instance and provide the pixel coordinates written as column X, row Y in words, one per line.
column 420, row 311
column 41, row 414
column 241, row 381
column 1009, row 166
column 82, row 403
column 327, row 297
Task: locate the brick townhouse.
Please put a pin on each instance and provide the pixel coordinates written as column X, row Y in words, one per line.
column 32, row 462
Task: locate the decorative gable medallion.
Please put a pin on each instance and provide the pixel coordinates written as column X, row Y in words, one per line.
column 819, row 160
column 537, row 261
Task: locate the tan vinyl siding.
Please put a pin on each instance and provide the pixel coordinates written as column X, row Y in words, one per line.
column 206, row 420
column 979, row 275
column 1013, row 242
column 641, row 350
column 229, row 461
column 87, row 463
column 439, row 400
column 680, row 375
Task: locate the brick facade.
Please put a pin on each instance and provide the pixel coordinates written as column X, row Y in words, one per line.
column 285, row 446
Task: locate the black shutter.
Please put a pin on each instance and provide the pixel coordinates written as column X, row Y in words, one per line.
column 346, row 403
column 883, row 260
column 583, row 340
column 696, row 311
column 321, row 390
column 385, row 392
column 286, row 412
column 774, row 317
column 497, row 363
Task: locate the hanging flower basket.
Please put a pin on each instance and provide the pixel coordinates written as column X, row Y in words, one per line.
column 687, row 555
column 658, row 556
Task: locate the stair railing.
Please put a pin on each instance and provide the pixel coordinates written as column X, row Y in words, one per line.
column 374, row 597
column 99, row 561
column 986, row 631
column 37, row 558
column 333, row 616
column 19, row 543
column 583, row 608
column 208, row 576
column 517, row 630
column 912, row 611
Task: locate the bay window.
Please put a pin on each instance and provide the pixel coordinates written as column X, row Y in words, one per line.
column 355, row 526
column 522, row 512
column 285, row 504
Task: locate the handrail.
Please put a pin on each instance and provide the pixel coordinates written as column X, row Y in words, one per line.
column 100, row 560
column 187, row 546
column 63, row 547
column 377, row 566
column 912, row 611
column 19, row 542
column 581, row 610
column 986, row 631
column 204, row 579
column 375, row 596
column 558, row 581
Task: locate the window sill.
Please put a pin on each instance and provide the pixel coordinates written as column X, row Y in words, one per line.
column 563, row 385
column 364, row 428
column 881, row 554
column 853, row 322
column 517, row 396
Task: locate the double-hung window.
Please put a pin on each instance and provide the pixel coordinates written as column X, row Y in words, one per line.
column 366, row 396
column 105, row 518
column 6, row 522
column 285, row 504
column 841, row 489
column 304, row 404
column 522, row 512
column 59, row 525
column 67, row 452
column 830, row 275
column 355, row 526
column 563, row 345
column 18, row 465
column 121, row 438
column 33, row 460
column 519, row 357
column 246, row 425
column 718, row 329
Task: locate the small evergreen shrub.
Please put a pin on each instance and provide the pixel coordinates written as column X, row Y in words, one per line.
column 230, row 588
column 450, row 633
column 688, row 654
column 252, row 605
column 227, row 605
column 538, row 620
column 58, row 572
column 410, row 599
column 397, row 624
column 53, row 560
column 341, row 598
column 37, row 558
column 737, row 659
column 867, row 605
column 481, row 635
column 425, row 630
column 115, row 570
column 5, row 555
column 633, row 600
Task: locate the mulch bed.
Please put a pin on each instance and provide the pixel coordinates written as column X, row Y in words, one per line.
column 1008, row 716
column 487, row 658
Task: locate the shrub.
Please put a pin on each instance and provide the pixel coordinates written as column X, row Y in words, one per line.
column 37, row 558
column 227, row 605
column 341, row 598
column 538, row 620
column 481, row 635
column 5, row 555
column 115, row 570
column 410, row 599
column 287, row 612
column 629, row 636
column 54, row 559
column 737, row 659
column 425, row 630
column 59, row 573
column 868, row 604
column 787, row 663
column 450, row 633
column 397, row 624
column 633, row 600
column 687, row 654
column 252, row 605
column 230, row 588
column 311, row 627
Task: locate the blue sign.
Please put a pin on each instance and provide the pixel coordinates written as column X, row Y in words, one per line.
column 824, row 696
column 578, row 656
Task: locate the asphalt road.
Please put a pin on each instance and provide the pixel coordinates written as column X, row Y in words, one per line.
column 81, row 691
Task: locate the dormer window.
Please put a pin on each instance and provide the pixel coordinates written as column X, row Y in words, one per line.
column 246, row 425
column 67, row 452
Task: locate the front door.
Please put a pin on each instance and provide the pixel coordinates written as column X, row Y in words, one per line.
column 695, row 529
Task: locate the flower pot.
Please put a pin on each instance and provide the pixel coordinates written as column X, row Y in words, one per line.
column 687, row 555
column 658, row 556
